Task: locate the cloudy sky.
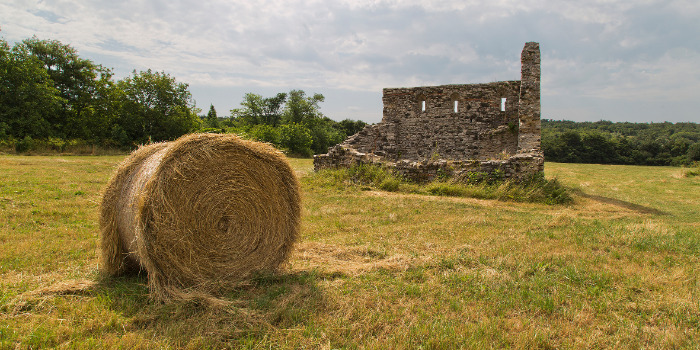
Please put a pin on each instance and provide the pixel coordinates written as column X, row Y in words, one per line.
column 612, row 60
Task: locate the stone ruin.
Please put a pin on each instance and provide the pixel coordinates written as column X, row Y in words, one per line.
column 457, row 131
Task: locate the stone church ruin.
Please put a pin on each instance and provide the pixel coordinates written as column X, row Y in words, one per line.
column 454, row 130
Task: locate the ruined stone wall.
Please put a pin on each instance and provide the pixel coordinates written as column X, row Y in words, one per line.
column 445, row 122
column 454, row 129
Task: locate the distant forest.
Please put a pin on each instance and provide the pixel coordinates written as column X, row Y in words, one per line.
column 605, row 142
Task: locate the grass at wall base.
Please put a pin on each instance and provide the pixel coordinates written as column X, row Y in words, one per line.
column 534, row 188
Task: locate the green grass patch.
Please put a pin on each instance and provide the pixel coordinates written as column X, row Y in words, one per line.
column 533, row 189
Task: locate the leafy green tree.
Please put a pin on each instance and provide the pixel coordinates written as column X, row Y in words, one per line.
column 272, row 107
column 304, row 110
column 102, row 115
column 257, row 109
column 80, row 83
column 251, row 111
column 28, row 98
column 301, row 108
column 566, row 147
column 155, row 107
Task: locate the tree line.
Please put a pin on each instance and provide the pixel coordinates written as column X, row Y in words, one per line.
column 605, row 142
column 51, row 97
column 49, row 93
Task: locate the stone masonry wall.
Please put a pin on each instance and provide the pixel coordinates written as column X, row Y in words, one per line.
column 421, row 123
column 454, row 129
column 529, row 105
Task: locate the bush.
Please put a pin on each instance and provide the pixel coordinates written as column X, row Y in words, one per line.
column 265, row 133
column 56, row 144
column 24, row 145
column 296, row 139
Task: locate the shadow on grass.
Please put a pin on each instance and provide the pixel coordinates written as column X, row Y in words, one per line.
column 264, row 304
column 620, row 203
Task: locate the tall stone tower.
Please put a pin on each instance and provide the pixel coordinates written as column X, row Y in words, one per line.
column 529, row 105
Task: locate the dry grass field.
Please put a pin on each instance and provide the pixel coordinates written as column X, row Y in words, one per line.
column 617, row 268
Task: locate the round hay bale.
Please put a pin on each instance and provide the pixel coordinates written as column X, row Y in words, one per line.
column 199, row 214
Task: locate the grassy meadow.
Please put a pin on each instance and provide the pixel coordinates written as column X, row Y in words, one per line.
column 617, row 268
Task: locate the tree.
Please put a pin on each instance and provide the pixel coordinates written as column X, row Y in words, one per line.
column 259, row 110
column 301, row 108
column 251, row 111
column 212, row 118
column 28, row 98
column 272, row 109
column 155, row 107
column 565, row 147
column 80, row 83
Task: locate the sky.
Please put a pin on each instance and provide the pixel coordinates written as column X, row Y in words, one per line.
column 636, row 61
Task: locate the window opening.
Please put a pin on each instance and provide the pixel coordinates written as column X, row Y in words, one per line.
column 456, row 106
column 503, row 104
column 422, row 106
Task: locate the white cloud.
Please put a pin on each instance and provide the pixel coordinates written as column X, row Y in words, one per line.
column 600, row 49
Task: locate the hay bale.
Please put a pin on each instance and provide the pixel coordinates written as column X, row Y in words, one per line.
column 199, row 214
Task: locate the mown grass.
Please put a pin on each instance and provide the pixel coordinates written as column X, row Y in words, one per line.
column 616, row 268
